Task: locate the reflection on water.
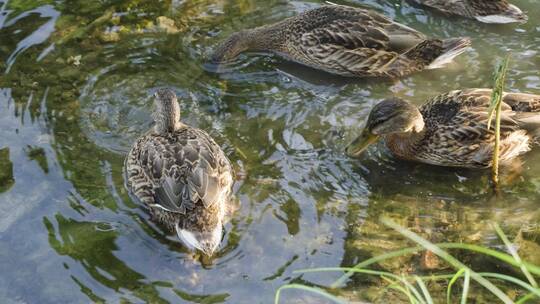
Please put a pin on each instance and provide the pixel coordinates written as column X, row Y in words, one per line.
column 75, row 92
column 6, row 171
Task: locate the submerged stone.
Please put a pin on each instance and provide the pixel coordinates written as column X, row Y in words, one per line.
column 74, row 60
column 109, row 36
column 167, row 25
column 527, row 243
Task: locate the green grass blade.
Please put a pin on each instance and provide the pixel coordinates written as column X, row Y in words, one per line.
column 309, row 289
column 466, row 284
column 448, row 258
column 405, row 290
column 494, row 253
column 425, row 292
column 372, row 272
column 414, row 291
column 498, row 88
column 351, row 269
column 504, row 277
column 412, row 300
column 514, row 254
column 496, row 102
column 374, row 260
column 452, row 277
column 383, row 274
column 469, row 247
column 451, row 283
column 525, row 298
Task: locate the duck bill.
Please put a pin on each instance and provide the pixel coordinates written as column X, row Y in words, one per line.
column 361, row 143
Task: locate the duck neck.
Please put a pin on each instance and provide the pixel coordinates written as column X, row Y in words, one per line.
column 167, row 118
column 404, row 145
column 264, row 38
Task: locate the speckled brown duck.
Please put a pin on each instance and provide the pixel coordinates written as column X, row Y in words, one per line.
column 451, row 129
column 488, row 11
column 347, row 41
column 182, row 176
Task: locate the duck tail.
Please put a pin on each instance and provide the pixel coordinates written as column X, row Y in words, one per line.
column 449, row 49
column 510, row 14
column 435, row 53
column 529, row 122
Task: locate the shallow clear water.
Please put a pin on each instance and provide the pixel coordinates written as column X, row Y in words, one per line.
column 75, row 86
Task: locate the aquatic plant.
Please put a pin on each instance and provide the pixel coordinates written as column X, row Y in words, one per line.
column 414, row 287
column 495, row 109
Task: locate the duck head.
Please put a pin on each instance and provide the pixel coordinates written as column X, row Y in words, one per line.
column 230, row 48
column 391, row 116
column 206, row 241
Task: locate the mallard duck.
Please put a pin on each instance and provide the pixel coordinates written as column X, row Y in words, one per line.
column 451, row 129
column 347, row 41
column 488, row 11
column 182, row 176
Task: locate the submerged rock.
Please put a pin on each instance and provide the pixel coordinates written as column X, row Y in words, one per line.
column 109, row 36
column 167, row 25
column 75, row 60
column 430, row 261
column 527, row 243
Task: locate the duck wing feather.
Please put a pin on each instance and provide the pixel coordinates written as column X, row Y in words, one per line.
column 456, row 129
column 357, row 41
column 188, row 170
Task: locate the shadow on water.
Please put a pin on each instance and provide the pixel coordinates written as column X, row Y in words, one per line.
column 75, row 92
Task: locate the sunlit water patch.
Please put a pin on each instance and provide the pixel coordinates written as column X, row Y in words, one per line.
column 76, row 95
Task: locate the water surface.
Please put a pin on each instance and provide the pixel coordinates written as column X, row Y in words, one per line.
column 75, row 92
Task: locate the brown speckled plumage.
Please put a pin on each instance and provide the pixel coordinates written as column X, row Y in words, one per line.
column 180, row 173
column 476, row 9
column 346, row 41
column 453, row 128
